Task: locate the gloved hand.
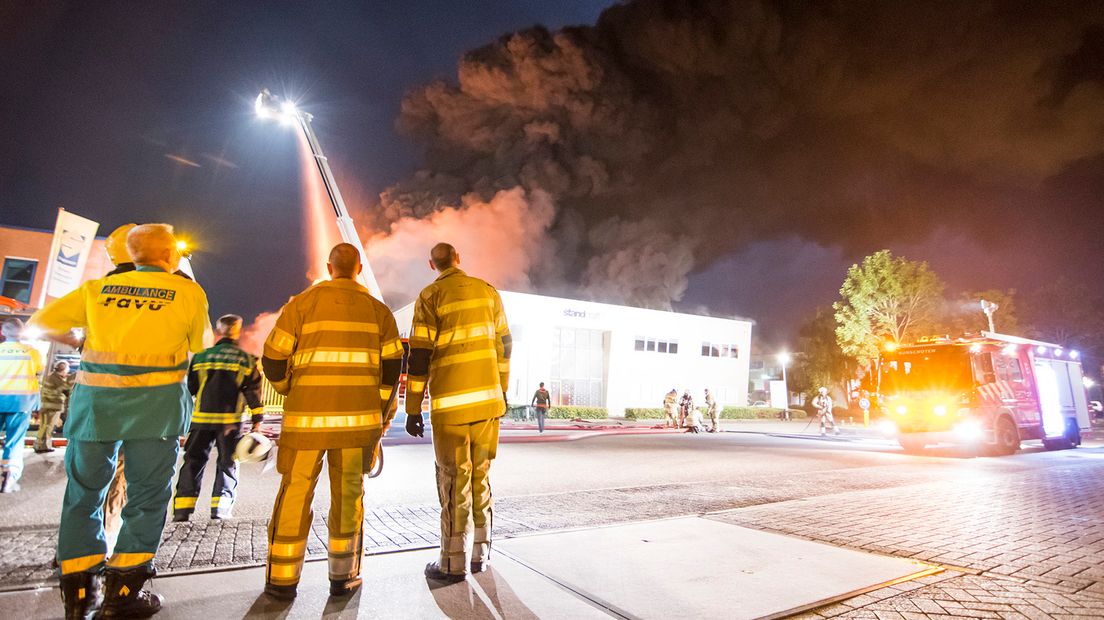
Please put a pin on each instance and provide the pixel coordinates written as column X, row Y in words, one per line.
column 415, row 426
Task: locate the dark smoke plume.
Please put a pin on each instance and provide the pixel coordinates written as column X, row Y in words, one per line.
column 672, row 132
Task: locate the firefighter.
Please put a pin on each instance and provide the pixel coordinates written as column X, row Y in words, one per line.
column 335, row 352
column 20, row 366
column 712, row 409
column 130, row 394
column 686, row 404
column 823, row 404
column 670, row 409
column 220, row 378
column 55, row 394
column 117, row 491
column 460, row 344
column 540, row 401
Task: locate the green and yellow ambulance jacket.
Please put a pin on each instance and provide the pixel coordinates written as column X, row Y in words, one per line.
column 221, row 378
column 140, row 327
column 20, row 366
column 335, row 352
column 461, row 341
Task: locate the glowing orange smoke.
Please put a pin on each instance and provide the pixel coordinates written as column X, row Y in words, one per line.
column 321, row 224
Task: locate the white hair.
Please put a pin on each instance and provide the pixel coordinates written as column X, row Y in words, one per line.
column 146, row 241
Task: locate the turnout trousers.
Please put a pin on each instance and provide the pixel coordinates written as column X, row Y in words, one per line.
column 47, row 421
column 15, row 425
column 90, row 465
column 197, row 449
column 464, row 453
column 292, row 515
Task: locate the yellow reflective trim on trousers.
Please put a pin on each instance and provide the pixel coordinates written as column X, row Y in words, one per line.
column 218, row 366
column 337, row 380
column 392, row 350
column 134, row 359
column 385, row 393
column 285, row 572
column 81, row 564
column 288, row 550
column 342, row 545
column 361, row 357
column 331, row 421
column 199, row 417
column 215, row 502
column 281, row 341
column 467, row 304
column 461, row 358
column 415, row 385
column 127, row 560
column 149, row 379
column 339, row 326
column 467, row 332
column 425, row 332
column 184, row 502
column 466, row 398
column 257, row 410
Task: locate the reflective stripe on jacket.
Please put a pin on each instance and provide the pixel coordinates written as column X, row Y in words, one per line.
column 335, row 352
column 221, row 378
column 20, row 366
column 460, row 344
column 140, row 327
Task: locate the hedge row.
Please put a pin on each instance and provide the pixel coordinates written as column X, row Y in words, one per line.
column 727, row 413
column 567, row 412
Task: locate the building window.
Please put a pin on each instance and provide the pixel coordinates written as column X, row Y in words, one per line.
column 578, row 367
column 710, row 349
column 655, row 345
column 18, row 279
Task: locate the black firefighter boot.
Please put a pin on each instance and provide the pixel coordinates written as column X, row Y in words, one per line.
column 125, row 597
column 81, row 594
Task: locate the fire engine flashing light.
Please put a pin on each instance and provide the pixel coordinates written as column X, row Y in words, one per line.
column 890, row 346
column 975, row 348
column 940, row 410
column 1009, row 350
column 887, row 428
column 1040, row 349
column 1057, row 352
column 902, row 410
column 1074, row 355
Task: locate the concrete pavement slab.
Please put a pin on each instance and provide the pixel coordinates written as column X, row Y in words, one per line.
column 700, row 568
column 394, row 587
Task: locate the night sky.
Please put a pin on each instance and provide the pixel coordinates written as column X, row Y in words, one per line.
column 729, row 158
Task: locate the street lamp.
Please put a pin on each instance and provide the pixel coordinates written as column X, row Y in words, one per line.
column 269, row 106
column 784, row 358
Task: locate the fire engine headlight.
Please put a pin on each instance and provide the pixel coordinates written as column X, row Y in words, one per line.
column 940, row 410
column 901, row 410
column 969, row 430
column 887, row 428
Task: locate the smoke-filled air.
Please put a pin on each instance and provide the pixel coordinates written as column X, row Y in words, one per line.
column 613, row 160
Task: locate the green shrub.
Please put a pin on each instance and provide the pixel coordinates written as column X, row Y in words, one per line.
column 568, row 412
column 644, row 413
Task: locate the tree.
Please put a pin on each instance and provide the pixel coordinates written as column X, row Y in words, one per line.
column 1069, row 314
column 885, row 298
column 819, row 361
column 963, row 315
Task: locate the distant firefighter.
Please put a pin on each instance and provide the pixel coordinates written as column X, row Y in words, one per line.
column 712, row 409
column 670, row 409
column 686, row 405
column 823, row 404
column 56, row 387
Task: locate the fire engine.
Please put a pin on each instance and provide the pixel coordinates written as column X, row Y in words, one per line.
column 992, row 391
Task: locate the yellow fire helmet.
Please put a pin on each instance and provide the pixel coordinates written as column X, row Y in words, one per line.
column 116, row 245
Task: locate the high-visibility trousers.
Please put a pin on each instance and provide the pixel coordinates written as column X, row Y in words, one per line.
column 292, row 514
column 14, row 425
column 197, row 449
column 464, row 453
column 91, row 466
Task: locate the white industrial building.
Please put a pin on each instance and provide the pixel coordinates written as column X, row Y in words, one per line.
column 601, row 355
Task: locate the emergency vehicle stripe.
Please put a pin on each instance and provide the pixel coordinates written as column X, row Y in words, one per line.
column 461, row 358
column 336, row 357
column 128, row 560
column 149, row 379
column 81, row 564
column 314, row 421
column 339, row 326
column 157, row 360
column 336, row 380
column 466, row 398
column 467, row 304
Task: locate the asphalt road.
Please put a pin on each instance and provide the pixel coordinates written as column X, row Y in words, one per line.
column 562, row 464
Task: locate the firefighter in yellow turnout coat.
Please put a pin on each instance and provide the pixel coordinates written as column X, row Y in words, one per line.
column 335, row 352
column 130, row 395
column 459, row 343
